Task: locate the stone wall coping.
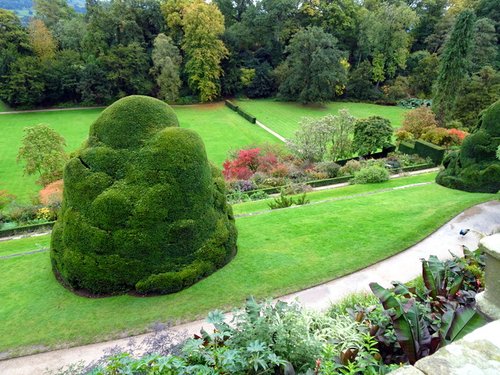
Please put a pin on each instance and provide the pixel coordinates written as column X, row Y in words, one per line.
column 491, row 245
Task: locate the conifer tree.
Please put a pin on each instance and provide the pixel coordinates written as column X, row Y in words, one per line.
column 454, row 63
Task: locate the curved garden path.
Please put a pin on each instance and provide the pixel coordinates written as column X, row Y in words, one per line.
column 481, row 219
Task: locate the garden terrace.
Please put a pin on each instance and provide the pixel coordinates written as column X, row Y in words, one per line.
column 320, row 242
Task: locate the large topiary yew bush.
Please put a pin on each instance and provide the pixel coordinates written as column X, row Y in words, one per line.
column 475, row 167
column 143, row 210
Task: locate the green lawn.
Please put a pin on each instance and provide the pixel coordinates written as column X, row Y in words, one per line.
column 278, row 252
column 23, row 245
column 220, row 128
column 284, row 117
column 3, row 107
column 338, row 193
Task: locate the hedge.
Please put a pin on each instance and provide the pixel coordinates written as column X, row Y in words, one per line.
column 231, row 105
column 406, row 148
column 246, row 115
column 140, row 206
column 417, row 167
column 423, row 149
column 429, row 150
column 377, row 155
column 475, row 167
column 26, row 229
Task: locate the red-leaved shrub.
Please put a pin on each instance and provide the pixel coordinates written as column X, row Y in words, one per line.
column 247, row 162
column 52, row 193
column 457, row 135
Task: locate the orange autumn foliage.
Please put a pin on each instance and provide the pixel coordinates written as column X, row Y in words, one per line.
column 51, row 193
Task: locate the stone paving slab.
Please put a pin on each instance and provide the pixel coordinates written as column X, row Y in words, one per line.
column 478, row 353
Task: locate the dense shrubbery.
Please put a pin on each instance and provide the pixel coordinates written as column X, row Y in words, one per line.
column 143, row 210
column 371, row 134
column 417, row 122
column 358, row 335
column 271, row 167
column 371, row 174
column 421, row 123
column 475, row 167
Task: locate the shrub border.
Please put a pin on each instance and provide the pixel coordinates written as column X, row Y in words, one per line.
column 337, row 180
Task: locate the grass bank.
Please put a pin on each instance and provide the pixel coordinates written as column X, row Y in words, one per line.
column 220, row 128
column 278, row 252
column 284, row 117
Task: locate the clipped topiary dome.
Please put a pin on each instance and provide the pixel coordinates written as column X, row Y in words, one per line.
column 475, row 167
column 143, row 210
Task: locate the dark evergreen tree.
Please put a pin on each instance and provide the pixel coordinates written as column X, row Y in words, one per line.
column 454, row 64
column 360, row 85
column 313, row 68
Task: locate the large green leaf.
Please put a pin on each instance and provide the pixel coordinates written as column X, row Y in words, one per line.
column 402, row 326
column 465, row 321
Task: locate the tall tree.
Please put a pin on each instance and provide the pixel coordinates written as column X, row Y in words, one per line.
column 485, row 49
column 166, row 65
column 52, row 11
column 453, row 66
column 13, row 42
column 313, row 69
column 24, row 85
column 430, row 12
column 232, row 10
column 384, row 37
column 360, row 84
column 203, row 24
column 127, row 70
column 423, row 75
column 42, row 41
column 477, row 94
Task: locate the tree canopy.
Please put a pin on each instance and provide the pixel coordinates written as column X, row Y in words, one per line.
column 313, row 71
column 305, row 51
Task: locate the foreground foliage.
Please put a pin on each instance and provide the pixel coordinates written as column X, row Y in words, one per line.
column 357, row 336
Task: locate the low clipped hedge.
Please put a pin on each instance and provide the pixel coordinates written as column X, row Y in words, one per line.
column 417, row 167
column 376, row 155
column 423, row 149
column 314, row 183
column 246, row 115
column 429, row 150
column 231, row 105
column 142, row 211
column 26, row 229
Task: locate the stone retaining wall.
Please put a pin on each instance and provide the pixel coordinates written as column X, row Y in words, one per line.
column 476, row 354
